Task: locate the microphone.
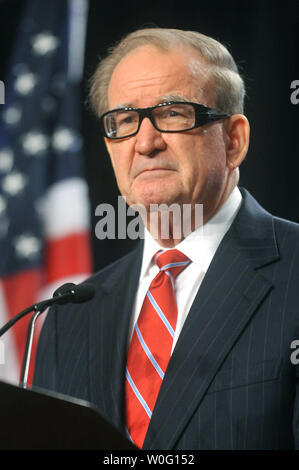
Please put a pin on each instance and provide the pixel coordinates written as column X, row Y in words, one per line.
column 76, row 294
column 67, row 293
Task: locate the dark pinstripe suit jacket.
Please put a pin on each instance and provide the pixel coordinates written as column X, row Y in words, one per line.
column 230, row 383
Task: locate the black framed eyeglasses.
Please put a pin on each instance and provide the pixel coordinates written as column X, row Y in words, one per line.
column 171, row 116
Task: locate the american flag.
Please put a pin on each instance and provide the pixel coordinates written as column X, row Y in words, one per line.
column 44, row 213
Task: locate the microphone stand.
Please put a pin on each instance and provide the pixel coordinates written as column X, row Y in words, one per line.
column 67, row 293
column 38, row 308
column 28, row 347
column 11, row 322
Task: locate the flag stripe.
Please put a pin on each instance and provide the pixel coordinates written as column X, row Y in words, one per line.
column 67, row 256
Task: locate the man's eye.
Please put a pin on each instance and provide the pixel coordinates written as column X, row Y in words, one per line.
column 125, row 119
column 128, row 119
column 170, row 113
column 175, row 113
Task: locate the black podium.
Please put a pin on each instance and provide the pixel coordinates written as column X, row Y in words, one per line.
column 41, row 420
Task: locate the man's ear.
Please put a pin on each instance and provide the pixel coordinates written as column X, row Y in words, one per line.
column 108, row 145
column 109, row 150
column 237, row 131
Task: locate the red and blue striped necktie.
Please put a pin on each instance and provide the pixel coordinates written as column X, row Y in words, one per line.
column 151, row 344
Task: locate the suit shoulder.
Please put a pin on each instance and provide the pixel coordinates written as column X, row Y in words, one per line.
column 116, row 267
column 287, row 239
column 286, row 229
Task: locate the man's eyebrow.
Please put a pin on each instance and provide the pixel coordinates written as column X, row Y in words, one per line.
column 173, row 97
column 162, row 99
column 121, row 105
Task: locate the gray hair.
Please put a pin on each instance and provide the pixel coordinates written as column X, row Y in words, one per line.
column 229, row 88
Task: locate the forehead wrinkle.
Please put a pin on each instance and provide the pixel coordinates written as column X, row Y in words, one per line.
column 143, row 85
column 152, row 79
column 195, row 70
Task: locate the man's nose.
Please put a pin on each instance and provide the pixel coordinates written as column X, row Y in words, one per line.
column 149, row 139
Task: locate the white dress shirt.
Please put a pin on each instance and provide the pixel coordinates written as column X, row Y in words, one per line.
column 200, row 246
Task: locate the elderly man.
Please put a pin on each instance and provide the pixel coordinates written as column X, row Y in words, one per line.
column 188, row 341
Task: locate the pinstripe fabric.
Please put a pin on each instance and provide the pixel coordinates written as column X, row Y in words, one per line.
column 230, row 383
column 151, row 344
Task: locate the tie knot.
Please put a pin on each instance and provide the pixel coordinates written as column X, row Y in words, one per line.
column 173, row 261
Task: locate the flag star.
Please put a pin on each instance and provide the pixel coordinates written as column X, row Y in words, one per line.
column 34, row 142
column 12, row 115
column 6, row 159
column 14, row 183
column 66, row 139
column 25, row 82
column 44, row 43
column 27, row 246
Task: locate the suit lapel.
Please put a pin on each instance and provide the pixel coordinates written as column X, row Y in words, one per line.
column 109, row 333
column 230, row 294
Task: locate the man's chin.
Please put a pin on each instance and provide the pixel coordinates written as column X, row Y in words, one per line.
column 155, row 194
column 152, row 202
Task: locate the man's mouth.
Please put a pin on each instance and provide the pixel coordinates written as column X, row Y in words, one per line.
column 154, row 170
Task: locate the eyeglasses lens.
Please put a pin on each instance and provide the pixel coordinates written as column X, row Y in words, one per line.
column 170, row 117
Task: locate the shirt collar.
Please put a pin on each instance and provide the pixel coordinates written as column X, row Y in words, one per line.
column 201, row 244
